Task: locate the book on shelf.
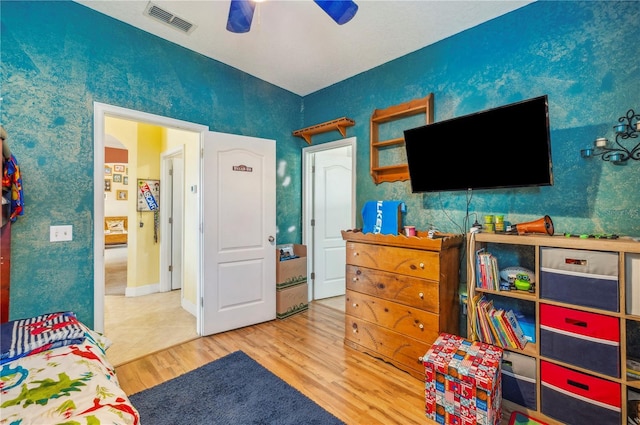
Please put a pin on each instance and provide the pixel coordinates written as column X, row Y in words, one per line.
column 521, row 338
column 487, row 273
column 497, row 326
column 487, row 333
column 633, row 375
column 512, row 341
column 633, row 368
column 513, row 338
column 491, row 330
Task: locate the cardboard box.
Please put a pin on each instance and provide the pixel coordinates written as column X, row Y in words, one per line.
column 292, row 271
column 292, row 300
column 463, row 382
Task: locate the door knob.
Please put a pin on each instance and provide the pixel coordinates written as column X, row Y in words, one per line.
column 271, row 239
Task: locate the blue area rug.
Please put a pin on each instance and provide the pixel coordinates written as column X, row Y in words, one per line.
column 232, row 390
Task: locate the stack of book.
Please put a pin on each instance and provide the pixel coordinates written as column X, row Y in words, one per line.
column 487, row 276
column 497, row 326
column 633, row 369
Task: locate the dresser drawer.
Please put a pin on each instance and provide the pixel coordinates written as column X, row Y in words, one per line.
column 410, row 262
column 409, row 321
column 411, row 291
column 404, row 352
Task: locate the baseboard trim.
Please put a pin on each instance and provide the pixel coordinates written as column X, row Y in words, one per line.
column 137, row 291
column 190, row 307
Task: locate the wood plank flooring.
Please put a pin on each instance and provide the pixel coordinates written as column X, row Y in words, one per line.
column 306, row 350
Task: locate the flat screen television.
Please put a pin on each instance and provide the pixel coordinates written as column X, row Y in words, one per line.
column 504, row 147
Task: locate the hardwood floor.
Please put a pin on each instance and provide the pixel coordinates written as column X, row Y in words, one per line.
column 307, row 351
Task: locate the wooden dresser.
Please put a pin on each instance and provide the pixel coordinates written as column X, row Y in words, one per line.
column 402, row 292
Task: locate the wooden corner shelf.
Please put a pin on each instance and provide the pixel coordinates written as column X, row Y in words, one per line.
column 339, row 124
column 394, row 172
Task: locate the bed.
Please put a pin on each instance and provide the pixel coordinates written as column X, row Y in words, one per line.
column 54, row 371
column 115, row 230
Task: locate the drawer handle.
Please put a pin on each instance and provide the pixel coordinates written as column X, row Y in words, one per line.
column 575, row 322
column 354, row 279
column 578, row 384
column 422, row 265
column 421, row 295
column 355, row 254
column 421, row 326
column 355, row 328
column 354, row 305
column 575, row 261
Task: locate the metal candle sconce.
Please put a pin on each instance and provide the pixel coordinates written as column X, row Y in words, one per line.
column 618, row 153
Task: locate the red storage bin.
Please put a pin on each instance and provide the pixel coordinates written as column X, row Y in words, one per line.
column 576, row 398
column 588, row 340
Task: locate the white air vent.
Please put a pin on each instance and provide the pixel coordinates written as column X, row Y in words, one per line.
column 168, row 18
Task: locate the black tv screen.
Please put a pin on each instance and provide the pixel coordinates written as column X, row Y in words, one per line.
column 504, row 147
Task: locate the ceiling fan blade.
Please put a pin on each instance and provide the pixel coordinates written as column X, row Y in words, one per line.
column 340, row 11
column 240, row 15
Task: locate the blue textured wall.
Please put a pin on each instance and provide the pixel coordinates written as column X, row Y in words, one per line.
column 59, row 57
column 583, row 55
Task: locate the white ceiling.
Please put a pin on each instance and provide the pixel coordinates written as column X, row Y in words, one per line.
column 293, row 44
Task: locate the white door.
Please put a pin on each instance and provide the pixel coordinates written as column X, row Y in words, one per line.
column 239, row 224
column 332, row 213
column 176, row 223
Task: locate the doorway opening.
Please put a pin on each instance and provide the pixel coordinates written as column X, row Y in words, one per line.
column 148, row 296
column 172, row 192
column 229, row 224
column 329, row 199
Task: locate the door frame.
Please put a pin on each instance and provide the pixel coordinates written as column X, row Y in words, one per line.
column 166, row 193
column 307, row 194
column 100, row 111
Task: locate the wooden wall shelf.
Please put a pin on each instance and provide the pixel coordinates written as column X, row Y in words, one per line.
column 394, row 172
column 339, row 124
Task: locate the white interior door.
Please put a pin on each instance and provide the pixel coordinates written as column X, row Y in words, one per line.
column 239, row 223
column 332, row 211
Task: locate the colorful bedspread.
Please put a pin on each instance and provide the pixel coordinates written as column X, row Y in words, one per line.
column 71, row 384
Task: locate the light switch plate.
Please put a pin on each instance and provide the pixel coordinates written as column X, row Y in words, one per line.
column 60, row 233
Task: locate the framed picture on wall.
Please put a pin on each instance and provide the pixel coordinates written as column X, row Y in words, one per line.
column 117, row 178
column 118, row 168
column 122, row 195
column 107, row 170
column 125, row 180
column 148, row 195
column 107, row 185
